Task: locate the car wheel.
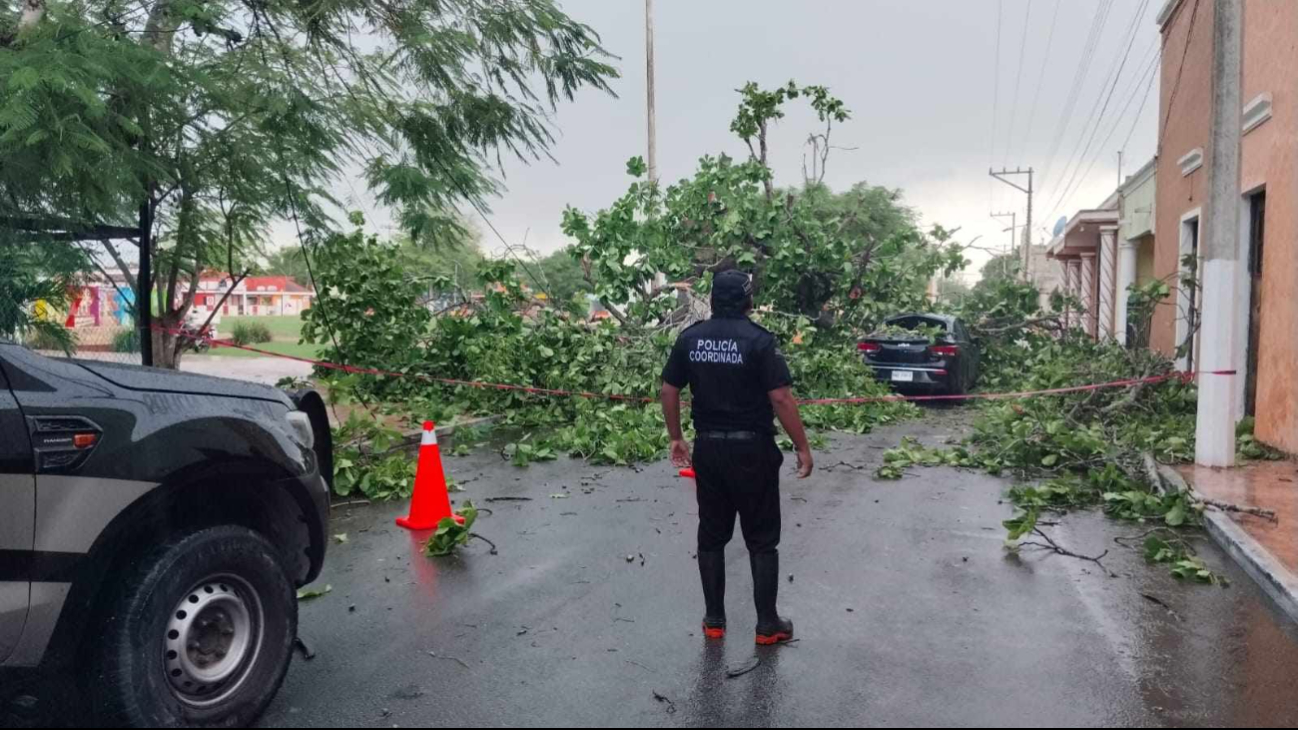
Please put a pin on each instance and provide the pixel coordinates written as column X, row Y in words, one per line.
column 200, row 634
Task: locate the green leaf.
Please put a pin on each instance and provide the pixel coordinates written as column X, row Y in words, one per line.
column 1050, row 460
column 1176, row 516
column 1022, row 524
column 307, row 594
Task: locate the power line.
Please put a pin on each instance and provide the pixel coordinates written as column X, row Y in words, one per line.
column 1096, row 115
column 996, row 89
column 1041, row 77
column 1112, row 83
column 1098, row 21
column 1014, row 108
column 1143, row 103
column 1151, row 73
column 1066, row 188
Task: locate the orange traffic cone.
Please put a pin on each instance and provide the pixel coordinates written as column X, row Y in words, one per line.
column 430, row 504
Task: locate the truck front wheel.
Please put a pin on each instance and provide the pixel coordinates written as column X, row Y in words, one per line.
column 199, row 634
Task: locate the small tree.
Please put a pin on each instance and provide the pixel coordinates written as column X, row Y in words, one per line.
column 857, row 255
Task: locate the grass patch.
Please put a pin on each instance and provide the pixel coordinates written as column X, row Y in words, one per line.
column 282, row 329
column 279, row 348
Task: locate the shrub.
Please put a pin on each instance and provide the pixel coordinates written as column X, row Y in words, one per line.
column 52, row 338
column 250, row 333
column 128, row 340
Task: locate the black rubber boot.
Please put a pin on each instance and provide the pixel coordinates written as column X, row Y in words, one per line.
column 712, row 569
column 771, row 628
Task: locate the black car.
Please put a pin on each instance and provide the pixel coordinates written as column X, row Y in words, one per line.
column 928, row 353
column 154, row 527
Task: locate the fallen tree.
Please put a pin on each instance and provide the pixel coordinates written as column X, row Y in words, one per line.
column 828, row 267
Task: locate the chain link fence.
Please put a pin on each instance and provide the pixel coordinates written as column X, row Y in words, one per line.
column 95, row 320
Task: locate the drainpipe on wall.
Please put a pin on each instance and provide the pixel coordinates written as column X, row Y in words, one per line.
column 1215, row 428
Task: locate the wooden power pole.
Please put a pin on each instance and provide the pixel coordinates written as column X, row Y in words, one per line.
column 649, row 87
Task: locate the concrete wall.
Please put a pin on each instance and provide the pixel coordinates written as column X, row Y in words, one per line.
column 1145, row 260
column 1139, row 201
column 1186, row 118
column 1046, row 274
column 1269, row 162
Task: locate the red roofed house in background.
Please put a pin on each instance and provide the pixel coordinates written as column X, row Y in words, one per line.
column 255, row 295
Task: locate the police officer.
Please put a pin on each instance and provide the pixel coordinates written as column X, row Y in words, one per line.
column 739, row 382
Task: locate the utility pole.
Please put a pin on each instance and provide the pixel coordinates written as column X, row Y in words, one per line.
column 1217, row 414
column 1119, row 168
column 1014, row 226
column 649, row 87
column 1003, row 176
column 1013, row 216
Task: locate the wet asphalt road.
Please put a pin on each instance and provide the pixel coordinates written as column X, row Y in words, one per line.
column 908, row 609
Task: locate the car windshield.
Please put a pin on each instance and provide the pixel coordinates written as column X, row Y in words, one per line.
column 577, row 363
column 915, row 322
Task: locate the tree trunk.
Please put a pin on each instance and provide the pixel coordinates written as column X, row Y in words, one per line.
column 166, row 353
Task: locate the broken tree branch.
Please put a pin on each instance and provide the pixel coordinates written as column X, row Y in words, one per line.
column 1054, row 547
column 1175, row 482
column 476, row 536
column 1265, row 514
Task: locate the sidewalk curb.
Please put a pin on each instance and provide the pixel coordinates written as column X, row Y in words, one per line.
column 1271, row 575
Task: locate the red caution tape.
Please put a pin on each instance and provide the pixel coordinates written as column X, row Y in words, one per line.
column 1184, row 377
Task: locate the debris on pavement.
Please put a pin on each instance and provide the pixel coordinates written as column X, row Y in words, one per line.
column 457, row 660
column 300, row 645
column 671, row 706
column 739, row 670
column 1163, row 604
column 306, row 594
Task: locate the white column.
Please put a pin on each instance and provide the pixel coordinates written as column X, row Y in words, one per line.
column 1073, row 287
column 1088, row 292
column 1127, row 251
column 1108, row 281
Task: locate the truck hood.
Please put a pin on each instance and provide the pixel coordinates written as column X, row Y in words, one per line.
column 155, row 380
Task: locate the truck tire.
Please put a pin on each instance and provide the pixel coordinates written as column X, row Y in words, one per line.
column 200, row 634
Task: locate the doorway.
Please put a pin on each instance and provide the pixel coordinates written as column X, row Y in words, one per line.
column 1256, row 236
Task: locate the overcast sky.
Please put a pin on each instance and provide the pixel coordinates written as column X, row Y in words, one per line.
column 921, row 78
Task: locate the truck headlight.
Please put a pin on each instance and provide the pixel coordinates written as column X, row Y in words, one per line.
column 300, row 427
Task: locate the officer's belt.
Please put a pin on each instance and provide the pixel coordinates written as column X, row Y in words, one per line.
column 729, row 435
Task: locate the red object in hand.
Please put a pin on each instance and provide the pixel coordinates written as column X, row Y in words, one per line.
column 687, row 473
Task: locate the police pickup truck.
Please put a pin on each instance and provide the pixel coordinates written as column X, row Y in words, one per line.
column 153, row 528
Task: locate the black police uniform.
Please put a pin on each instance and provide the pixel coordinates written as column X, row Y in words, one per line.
column 731, row 365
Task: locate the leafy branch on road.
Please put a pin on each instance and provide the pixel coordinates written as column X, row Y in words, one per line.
column 451, row 534
column 1090, row 449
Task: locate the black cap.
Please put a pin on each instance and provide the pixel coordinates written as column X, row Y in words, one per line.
column 731, row 291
